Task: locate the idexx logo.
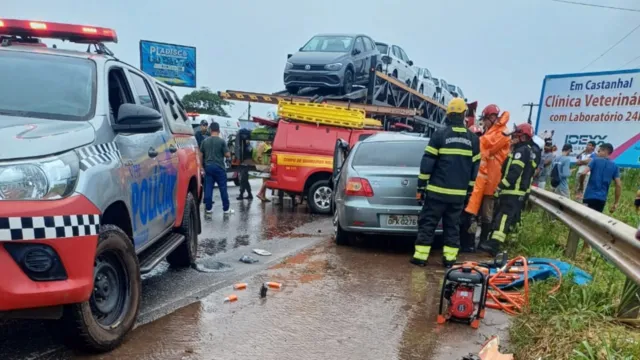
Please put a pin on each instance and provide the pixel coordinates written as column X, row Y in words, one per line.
column 583, row 140
column 153, row 197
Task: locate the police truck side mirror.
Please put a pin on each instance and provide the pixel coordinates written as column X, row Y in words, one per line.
column 134, row 118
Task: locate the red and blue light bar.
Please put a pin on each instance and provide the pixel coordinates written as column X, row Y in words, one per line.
column 41, row 29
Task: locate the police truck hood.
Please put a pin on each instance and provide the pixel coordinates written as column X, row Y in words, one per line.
column 22, row 137
column 316, row 57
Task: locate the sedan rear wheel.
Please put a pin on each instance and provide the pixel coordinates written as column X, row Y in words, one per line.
column 342, row 237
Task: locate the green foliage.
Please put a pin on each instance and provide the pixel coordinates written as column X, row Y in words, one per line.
column 577, row 322
column 205, row 101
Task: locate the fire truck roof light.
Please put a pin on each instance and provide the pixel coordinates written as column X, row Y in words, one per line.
column 73, row 33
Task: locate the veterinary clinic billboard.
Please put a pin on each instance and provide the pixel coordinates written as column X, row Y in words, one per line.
column 603, row 107
column 169, row 63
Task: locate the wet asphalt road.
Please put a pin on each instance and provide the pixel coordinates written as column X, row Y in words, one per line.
column 359, row 302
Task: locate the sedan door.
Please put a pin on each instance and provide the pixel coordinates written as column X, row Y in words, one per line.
column 360, row 59
column 408, row 72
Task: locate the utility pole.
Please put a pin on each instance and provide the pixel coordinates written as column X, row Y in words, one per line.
column 249, row 112
column 531, row 106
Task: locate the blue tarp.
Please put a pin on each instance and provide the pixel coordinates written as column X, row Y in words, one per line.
column 544, row 271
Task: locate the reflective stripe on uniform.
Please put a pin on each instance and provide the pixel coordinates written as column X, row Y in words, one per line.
column 424, row 176
column 499, row 236
column 518, row 162
column 459, row 129
column 450, row 253
column 512, row 192
column 431, row 150
column 462, row 152
column 472, row 183
column 504, row 177
column 422, row 252
column 476, row 158
column 441, row 190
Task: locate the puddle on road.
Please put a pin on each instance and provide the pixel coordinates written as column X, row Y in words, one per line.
column 209, row 265
column 351, row 303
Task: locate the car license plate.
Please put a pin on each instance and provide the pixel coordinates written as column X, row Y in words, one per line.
column 401, row 221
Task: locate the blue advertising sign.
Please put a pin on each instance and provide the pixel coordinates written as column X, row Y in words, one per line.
column 169, row 63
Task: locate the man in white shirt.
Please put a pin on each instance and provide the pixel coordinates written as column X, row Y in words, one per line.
column 583, row 165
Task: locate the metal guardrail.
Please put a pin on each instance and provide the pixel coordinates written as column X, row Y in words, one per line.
column 612, row 238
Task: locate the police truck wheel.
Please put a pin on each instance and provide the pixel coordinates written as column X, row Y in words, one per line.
column 101, row 323
column 414, row 83
column 185, row 254
column 292, row 90
column 319, row 197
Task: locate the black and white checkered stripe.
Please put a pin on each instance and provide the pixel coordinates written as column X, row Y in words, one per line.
column 93, row 155
column 48, row 227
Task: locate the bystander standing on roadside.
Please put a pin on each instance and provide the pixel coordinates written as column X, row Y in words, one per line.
column 544, row 167
column 601, row 172
column 214, row 151
column 583, row 164
column 562, row 165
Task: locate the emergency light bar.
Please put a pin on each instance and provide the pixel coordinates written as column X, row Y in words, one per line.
column 74, row 33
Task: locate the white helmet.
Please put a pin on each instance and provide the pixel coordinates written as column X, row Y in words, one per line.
column 538, row 141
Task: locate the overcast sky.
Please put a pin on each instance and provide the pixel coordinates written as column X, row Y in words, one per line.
column 496, row 50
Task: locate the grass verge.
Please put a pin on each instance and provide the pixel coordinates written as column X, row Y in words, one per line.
column 577, row 322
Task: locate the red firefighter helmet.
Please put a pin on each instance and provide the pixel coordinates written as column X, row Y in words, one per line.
column 524, row 129
column 491, row 109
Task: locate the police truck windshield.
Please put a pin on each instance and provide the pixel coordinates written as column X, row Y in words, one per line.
column 392, row 153
column 45, row 86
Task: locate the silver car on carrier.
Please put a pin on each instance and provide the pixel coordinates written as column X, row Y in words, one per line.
column 375, row 186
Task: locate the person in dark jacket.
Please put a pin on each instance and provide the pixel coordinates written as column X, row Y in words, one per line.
column 448, row 170
column 203, row 133
column 517, row 172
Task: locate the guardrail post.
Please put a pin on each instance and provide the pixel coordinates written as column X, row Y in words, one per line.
column 630, row 301
column 572, row 245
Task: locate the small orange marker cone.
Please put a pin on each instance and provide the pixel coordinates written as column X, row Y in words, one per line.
column 240, row 286
column 274, row 285
column 231, row 298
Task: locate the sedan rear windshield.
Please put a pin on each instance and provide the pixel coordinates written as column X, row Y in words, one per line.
column 383, row 48
column 390, row 153
column 47, row 86
column 329, row 44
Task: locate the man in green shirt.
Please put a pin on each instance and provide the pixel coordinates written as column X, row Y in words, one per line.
column 214, row 151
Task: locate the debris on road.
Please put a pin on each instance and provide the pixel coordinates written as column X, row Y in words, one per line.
column 248, row 259
column 240, row 286
column 231, row 298
column 262, row 252
column 267, row 285
column 274, row 285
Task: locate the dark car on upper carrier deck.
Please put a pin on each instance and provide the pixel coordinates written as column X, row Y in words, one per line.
column 331, row 61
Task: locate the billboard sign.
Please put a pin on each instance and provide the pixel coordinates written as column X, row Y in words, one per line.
column 172, row 64
column 603, row 107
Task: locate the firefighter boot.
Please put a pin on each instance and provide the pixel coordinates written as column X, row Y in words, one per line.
column 492, row 246
column 447, row 263
column 420, row 255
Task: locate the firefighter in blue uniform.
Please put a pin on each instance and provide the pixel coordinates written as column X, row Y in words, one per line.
column 447, row 174
column 517, row 170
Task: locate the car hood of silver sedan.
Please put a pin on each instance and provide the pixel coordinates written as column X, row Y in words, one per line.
column 22, row 137
column 316, row 57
